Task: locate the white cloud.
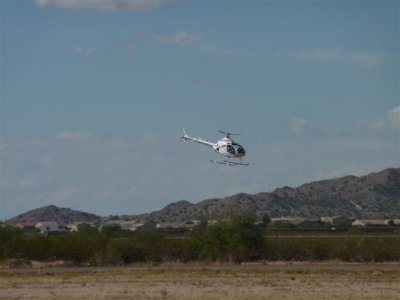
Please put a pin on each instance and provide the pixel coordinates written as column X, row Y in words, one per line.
column 73, row 135
column 149, row 138
column 300, row 125
column 328, row 55
column 84, row 52
column 179, row 37
column 367, row 59
column 28, row 183
column 222, row 52
column 391, row 120
column 131, row 47
column 319, row 55
column 204, row 81
column 105, row 5
column 48, row 159
column 170, row 80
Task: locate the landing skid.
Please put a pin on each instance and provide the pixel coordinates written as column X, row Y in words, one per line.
column 229, row 163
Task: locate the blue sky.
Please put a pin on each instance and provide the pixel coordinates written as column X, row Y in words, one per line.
column 94, row 95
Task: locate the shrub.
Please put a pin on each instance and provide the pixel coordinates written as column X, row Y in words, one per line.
column 236, row 240
column 126, row 250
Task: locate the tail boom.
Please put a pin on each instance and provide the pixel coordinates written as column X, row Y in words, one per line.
column 186, row 137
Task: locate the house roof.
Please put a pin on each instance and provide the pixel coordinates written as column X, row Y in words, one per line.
column 25, row 224
column 47, row 223
column 291, row 220
column 371, row 221
column 79, row 223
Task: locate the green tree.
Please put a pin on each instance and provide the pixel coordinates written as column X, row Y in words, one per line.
column 78, row 247
column 236, row 239
column 88, row 228
column 247, row 240
column 265, row 220
column 126, row 250
column 153, row 241
column 37, row 246
column 11, row 242
column 111, row 230
column 211, row 243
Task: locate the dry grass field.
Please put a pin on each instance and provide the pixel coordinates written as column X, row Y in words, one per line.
column 205, row 281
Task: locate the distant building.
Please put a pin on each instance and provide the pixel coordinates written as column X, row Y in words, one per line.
column 337, row 221
column 369, row 222
column 26, row 226
column 131, row 225
column 393, row 221
column 143, row 225
column 312, row 223
column 48, row 227
column 212, row 222
column 75, row 226
column 123, row 225
column 286, row 222
column 188, row 225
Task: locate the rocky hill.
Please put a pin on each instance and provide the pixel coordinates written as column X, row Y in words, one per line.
column 376, row 195
column 63, row 216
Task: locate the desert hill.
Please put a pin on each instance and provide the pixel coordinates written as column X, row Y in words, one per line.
column 63, row 216
column 376, row 195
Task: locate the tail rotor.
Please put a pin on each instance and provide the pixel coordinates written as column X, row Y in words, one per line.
column 184, row 135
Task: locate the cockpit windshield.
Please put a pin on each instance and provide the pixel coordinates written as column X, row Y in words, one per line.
column 230, row 149
column 239, row 149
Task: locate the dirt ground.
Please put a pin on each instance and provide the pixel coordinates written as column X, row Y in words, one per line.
column 205, row 281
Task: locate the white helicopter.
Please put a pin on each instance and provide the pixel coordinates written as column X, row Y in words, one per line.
column 225, row 146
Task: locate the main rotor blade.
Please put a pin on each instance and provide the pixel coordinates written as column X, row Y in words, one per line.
column 228, row 133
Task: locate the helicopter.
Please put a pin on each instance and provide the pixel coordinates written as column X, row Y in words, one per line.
column 225, row 146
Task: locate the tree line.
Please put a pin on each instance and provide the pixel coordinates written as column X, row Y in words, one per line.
column 235, row 240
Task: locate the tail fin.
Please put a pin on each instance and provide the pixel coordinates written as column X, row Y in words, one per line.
column 184, row 135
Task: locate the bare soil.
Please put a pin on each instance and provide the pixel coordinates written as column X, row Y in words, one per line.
column 278, row 280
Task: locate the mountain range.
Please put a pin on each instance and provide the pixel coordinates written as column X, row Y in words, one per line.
column 376, row 195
